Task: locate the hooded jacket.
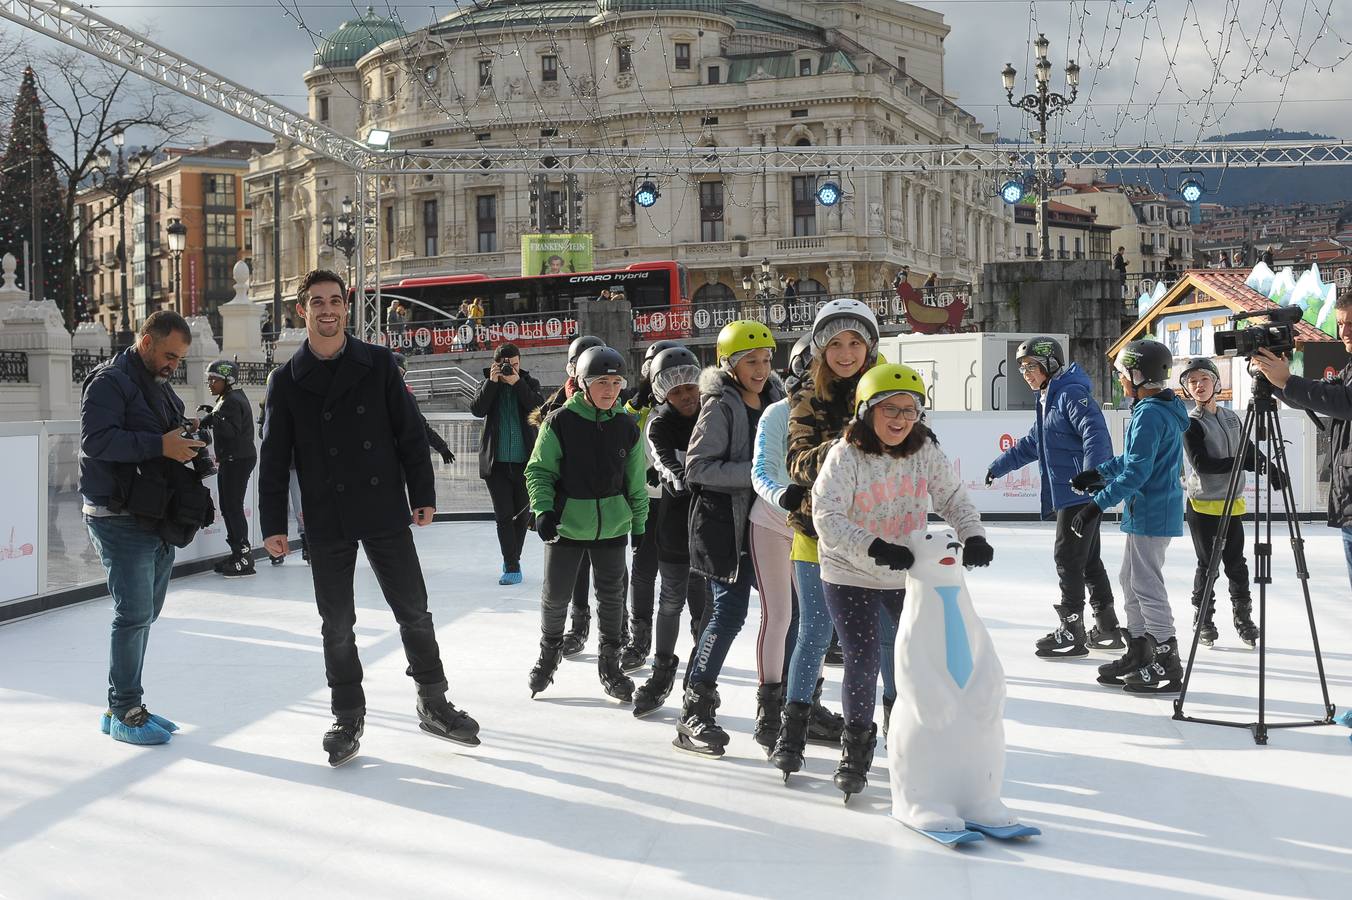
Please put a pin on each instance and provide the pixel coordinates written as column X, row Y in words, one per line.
column 1145, row 478
column 718, row 471
column 667, row 439
column 1069, row 435
column 814, row 425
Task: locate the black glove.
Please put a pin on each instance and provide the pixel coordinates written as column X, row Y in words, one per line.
column 977, row 553
column 1087, row 482
column 447, row 456
column 1275, row 477
column 792, row 498
column 990, row 478
column 653, row 480
column 643, row 396
column 894, row 556
column 1085, row 519
column 547, row 526
column 636, row 539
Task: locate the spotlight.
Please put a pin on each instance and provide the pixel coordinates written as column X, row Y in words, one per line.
column 1191, row 190
column 647, row 194
column 828, row 193
column 378, row 137
column 1011, row 191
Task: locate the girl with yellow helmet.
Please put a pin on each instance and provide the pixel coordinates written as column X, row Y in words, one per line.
column 874, row 489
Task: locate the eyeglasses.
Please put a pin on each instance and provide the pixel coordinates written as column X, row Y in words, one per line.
column 1027, row 367
column 909, row 413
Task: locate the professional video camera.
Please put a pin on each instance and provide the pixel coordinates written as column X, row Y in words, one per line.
column 202, row 462
column 1277, row 336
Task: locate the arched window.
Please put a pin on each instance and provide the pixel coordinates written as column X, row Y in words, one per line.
column 811, row 287
column 714, row 295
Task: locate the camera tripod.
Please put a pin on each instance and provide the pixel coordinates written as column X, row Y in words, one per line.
column 1261, row 431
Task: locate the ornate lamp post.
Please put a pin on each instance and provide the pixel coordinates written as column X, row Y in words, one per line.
column 345, row 239
column 760, row 285
column 178, row 240
column 120, row 183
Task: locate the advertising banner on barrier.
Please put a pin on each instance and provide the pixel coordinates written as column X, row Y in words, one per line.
column 23, row 494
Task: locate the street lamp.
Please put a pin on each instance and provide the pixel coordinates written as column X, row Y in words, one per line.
column 345, row 239
column 178, row 241
column 1042, row 104
column 761, row 284
column 120, row 182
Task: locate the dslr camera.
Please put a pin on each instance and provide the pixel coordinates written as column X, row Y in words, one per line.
column 1278, row 335
column 202, row 463
column 502, row 368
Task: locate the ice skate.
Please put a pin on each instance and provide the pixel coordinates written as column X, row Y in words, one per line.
column 614, row 682
column 856, row 758
column 575, row 641
column 635, row 652
column 542, row 673
column 1244, row 626
column 1163, row 672
column 1107, row 634
column 343, row 739
column 697, row 732
column 1135, row 657
column 1208, row 633
column 824, row 727
column 787, row 755
column 653, row 693
column 439, row 718
column 769, row 706
column 1068, row 640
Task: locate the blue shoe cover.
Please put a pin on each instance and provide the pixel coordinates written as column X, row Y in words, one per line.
column 510, row 577
column 146, row 733
column 107, row 722
column 1344, row 718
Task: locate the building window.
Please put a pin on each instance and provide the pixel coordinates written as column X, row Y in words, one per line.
column 1061, row 245
column 711, row 211
column 683, row 56
column 1079, row 248
column 1030, row 250
column 219, row 191
column 486, row 214
column 389, row 230
column 804, row 205
column 549, row 68
column 715, row 75
column 389, row 86
column 485, row 72
column 429, row 228
column 323, row 109
column 901, row 64
column 1173, row 342
column 804, row 67
column 221, row 231
column 626, row 59
column 1195, row 340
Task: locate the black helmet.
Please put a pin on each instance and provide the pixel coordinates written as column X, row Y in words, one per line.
column 401, row 361
column 597, row 362
column 1200, row 363
column 1046, row 351
column 224, row 369
column 1146, row 363
column 800, row 359
column 575, row 349
column 656, row 347
column 672, row 367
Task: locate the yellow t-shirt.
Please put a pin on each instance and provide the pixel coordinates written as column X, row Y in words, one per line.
column 1217, row 507
column 804, row 549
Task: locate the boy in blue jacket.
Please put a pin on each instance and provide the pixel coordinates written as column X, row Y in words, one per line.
column 1068, row 436
column 1145, row 479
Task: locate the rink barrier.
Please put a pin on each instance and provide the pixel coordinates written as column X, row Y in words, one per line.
column 46, row 560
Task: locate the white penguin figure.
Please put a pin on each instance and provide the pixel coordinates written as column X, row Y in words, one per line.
column 946, row 741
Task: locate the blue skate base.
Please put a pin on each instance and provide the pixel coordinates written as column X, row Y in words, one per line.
column 1006, row 832
column 950, row 838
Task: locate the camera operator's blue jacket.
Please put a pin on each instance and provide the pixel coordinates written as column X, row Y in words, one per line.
column 118, row 427
column 1146, row 477
column 1065, row 440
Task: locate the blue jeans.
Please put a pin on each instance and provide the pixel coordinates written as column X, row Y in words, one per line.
column 138, row 565
column 1347, row 550
column 814, row 633
column 730, row 604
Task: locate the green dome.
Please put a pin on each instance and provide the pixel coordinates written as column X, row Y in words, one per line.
column 354, row 39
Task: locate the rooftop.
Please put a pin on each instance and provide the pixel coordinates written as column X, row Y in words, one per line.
column 354, row 39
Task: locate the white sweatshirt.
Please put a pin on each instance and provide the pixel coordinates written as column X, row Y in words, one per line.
column 859, row 497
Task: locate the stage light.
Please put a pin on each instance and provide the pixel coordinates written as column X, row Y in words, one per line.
column 828, row 193
column 1191, row 190
column 1011, row 191
column 378, row 138
column 647, row 194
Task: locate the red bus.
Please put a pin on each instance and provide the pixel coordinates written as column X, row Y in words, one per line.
column 532, row 310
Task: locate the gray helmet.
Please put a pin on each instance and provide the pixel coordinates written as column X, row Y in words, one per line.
column 597, row 362
column 671, row 368
column 224, row 369
column 1046, row 351
column 1146, row 364
column 576, row 348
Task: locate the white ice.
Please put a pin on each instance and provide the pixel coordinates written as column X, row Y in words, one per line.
column 570, row 796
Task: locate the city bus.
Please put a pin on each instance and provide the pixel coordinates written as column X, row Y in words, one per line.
column 531, row 310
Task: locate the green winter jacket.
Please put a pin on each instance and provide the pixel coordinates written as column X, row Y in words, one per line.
column 588, row 467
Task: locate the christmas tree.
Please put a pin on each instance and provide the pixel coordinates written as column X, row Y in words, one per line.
column 28, row 175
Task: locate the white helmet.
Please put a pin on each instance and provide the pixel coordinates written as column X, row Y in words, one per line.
column 844, row 314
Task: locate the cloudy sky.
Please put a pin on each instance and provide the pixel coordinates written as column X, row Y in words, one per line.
column 1150, row 69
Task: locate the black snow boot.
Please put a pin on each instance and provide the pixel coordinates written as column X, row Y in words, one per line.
column 438, row 717
column 788, row 753
column 653, row 693
column 1067, row 641
column 542, row 674
column 1135, row 657
column 697, row 731
column 856, row 758
column 635, row 653
column 1244, row 627
column 1107, row 634
column 343, row 739
column 615, row 683
column 1162, row 674
column 769, row 706
column 824, row 727
column 1208, row 632
column 575, row 641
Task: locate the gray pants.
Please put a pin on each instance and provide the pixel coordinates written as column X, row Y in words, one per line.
column 1142, row 580
column 562, row 562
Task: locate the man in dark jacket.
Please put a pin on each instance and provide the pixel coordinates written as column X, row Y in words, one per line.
column 129, row 418
column 339, row 408
column 505, row 400
column 1333, row 398
column 231, row 424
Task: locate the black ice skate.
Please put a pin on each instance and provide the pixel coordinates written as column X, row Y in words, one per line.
column 697, row 731
column 788, row 753
column 635, row 652
column 1067, row 641
column 769, row 705
column 1208, row 632
column 542, row 673
column 575, row 641
column 239, row 567
column 439, row 718
column 1244, row 627
column 343, row 739
column 653, row 693
column 614, row 682
column 823, row 726
column 1162, row 674
column 1112, row 673
column 1107, row 634
column 856, row 758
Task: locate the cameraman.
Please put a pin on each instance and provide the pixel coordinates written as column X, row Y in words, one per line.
column 1333, row 397
column 129, row 419
column 232, row 422
column 504, row 401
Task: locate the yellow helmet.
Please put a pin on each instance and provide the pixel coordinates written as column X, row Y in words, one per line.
column 883, row 381
column 744, row 334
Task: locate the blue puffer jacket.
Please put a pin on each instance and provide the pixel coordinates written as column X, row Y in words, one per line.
column 1068, row 438
column 1146, row 477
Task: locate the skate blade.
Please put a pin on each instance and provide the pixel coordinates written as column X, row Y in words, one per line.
column 1005, row 832
column 647, row 712
column 336, row 761
column 467, row 742
column 1102, row 647
column 1142, row 690
column 1053, row 656
column 700, row 750
column 824, row 741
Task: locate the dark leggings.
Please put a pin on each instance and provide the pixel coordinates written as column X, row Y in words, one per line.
column 866, row 620
column 643, row 569
column 681, row 589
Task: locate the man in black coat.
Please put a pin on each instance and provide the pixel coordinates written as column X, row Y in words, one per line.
column 340, row 409
column 232, row 427
column 505, row 400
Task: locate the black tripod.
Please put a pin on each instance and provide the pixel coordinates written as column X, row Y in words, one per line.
column 1262, row 430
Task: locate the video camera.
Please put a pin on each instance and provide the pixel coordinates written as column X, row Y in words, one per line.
column 1278, row 336
column 202, row 463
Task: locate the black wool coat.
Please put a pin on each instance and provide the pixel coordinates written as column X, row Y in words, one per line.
column 357, row 437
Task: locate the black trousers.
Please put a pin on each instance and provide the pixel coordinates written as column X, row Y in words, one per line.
column 681, row 589
column 1203, row 529
column 232, row 483
column 511, row 509
column 643, row 568
column 394, row 559
column 562, row 562
column 1080, row 565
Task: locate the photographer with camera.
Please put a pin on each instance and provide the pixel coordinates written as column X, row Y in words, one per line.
column 232, row 422
column 1332, row 397
column 139, row 502
column 504, row 401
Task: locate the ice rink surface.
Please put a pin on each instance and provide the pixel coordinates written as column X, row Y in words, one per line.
column 570, row 796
